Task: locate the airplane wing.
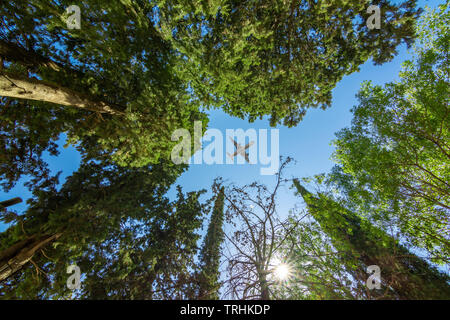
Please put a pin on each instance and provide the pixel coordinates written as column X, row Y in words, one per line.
column 249, row 144
column 232, row 155
column 235, row 143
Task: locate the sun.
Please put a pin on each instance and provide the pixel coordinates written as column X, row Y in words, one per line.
column 282, row 271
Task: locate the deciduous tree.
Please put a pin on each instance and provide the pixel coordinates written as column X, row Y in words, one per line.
column 395, row 158
column 404, row 275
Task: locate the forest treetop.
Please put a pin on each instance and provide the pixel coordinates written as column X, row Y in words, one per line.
column 138, row 70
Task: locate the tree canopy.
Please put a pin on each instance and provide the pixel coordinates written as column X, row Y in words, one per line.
column 110, row 86
column 395, row 156
column 278, row 58
column 361, row 244
column 136, row 71
column 117, row 225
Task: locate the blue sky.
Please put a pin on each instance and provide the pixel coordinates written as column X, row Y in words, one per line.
column 309, row 143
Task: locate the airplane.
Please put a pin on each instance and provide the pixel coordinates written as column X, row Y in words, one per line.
column 241, row 150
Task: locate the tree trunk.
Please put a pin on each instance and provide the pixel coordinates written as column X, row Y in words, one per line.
column 13, row 52
column 33, row 89
column 10, row 202
column 16, row 256
column 264, row 286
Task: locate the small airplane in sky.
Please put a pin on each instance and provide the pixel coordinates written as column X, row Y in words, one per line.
column 241, row 150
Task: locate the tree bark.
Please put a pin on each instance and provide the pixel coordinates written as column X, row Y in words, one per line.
column 13, row 52
column 10, row 202
column 32, row 89
column 264, row 286
column 16, row 256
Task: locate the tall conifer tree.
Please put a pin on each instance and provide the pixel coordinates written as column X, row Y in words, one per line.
column 404, row 275
column 210, row 254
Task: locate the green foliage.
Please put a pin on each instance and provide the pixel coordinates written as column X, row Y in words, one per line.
column 210, row 254
column 26, row 132
column 316, row 268
column 115, row 57
column 275, row 58
column 156, row 62
column 361, row 244
column 394, row 159
column 128, row 239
